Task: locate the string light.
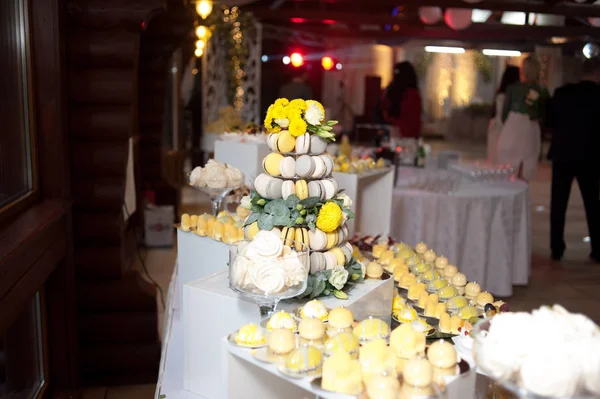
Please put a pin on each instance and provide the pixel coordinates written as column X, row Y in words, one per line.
column 201, row 32
column 200, row 44
column 204, row 8
column 198, row 52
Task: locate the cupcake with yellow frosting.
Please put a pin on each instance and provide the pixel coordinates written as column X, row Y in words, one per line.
column 314, row 308
column 371, row 329
column 281, row 319
column 483, row 299
column 441, row 262
column 342, row 374
column 421, row 248
column 376, row 358
column 250, row 335
column 429, row 256
column 344, row 342
column 303, row 360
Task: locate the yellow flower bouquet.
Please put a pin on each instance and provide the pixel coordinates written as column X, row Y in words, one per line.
column 299, row 116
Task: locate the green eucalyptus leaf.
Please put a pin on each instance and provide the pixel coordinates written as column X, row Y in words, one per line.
column 318, row 289
column 292, row 201
column 326, row 292
column 265, row 222
column 281, row 220
column 349, row 213
column 257, row 208
column 310, row 202
column 253, row 217
column 312, row 225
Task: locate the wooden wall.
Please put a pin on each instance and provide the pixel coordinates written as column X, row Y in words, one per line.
column 115, row 96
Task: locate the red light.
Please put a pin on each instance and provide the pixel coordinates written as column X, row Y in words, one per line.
column 380, row 149
column 298, row 20
column 329, row 21
column 327, row 63
column 398, row 149
column 297, row 60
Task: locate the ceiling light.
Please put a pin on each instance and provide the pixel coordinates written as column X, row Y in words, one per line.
column 558, row 40
column 338, row 66
column 480, row 16
column 286, row 60
column 204, row 8
column 501, row 53
column 442, row 49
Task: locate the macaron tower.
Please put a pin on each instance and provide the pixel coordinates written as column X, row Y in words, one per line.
column 298, row 172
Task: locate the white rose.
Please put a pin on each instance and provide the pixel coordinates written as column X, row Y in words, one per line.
column 268, row 276
column 347, row 201
column 197, row 177
column 246, row 202
column 339, row 276
column 314, row 115
column 215, row 178
column 215, row 164
column 283, row 123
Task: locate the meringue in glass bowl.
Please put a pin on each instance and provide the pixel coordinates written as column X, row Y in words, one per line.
column 268, row 271
column 547, row 354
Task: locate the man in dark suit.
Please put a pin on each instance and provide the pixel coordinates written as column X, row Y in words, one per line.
column 575, row 123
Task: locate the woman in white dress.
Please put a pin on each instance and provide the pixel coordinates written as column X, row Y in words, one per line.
column 524, row 108
column 510, row 76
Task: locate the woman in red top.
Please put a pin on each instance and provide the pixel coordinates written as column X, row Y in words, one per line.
column 401, row 102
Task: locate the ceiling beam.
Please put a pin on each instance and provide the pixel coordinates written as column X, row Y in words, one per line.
column 569, row 9
column 479, row 32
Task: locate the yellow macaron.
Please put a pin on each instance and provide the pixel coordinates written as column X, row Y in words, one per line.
column 302, row 189
column 271, row 164
column 332, row 239
column 339, row 256
column 288, row 235
column 186, row 223
column 285, row 142
column 301, row 235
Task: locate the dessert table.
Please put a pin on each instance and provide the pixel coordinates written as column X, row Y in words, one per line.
column 247, row 156
column 372, row 195
column 483, row 228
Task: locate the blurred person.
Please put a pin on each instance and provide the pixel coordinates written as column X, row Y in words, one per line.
column 297, row 87
column 575, row 123
column 401, row 101
column 511, row 75
column 524, row 108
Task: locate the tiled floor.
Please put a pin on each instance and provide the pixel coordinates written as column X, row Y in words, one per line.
column 574, row 282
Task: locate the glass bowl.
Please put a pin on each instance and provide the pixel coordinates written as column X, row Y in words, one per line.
column 507, row 379
column 268, row 280
column 216, row 195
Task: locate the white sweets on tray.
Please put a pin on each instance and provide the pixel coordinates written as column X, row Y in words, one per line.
column 549, row 352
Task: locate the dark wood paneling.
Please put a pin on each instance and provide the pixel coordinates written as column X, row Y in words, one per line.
column 103, row 86
column 117, row 327
column 93, row 296
column 101, row 49
column 99, row 194
column 112, row 14
column 101, row 123
column 100, row 159
column 98, row 228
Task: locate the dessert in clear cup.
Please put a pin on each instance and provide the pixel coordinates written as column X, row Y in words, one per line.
column 250, row 335
column 376, row 358
column 371, row 329
column 342, row 374
column 267, row 271
column 562, row 361
column 340, row 320
column 304, row 361
column 454, row 304
column 436, row 285
column 281, row 319
column 311, row 331
column 345, row 342
column 314, row 308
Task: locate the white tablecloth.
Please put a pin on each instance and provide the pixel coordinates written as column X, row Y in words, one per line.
column 483, row 228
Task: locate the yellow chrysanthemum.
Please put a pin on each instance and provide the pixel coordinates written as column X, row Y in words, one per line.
column 298, row 103
column 292, row 112
column 297, row 126
column 281, row 102
column 279, row 112
column 330, row 217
